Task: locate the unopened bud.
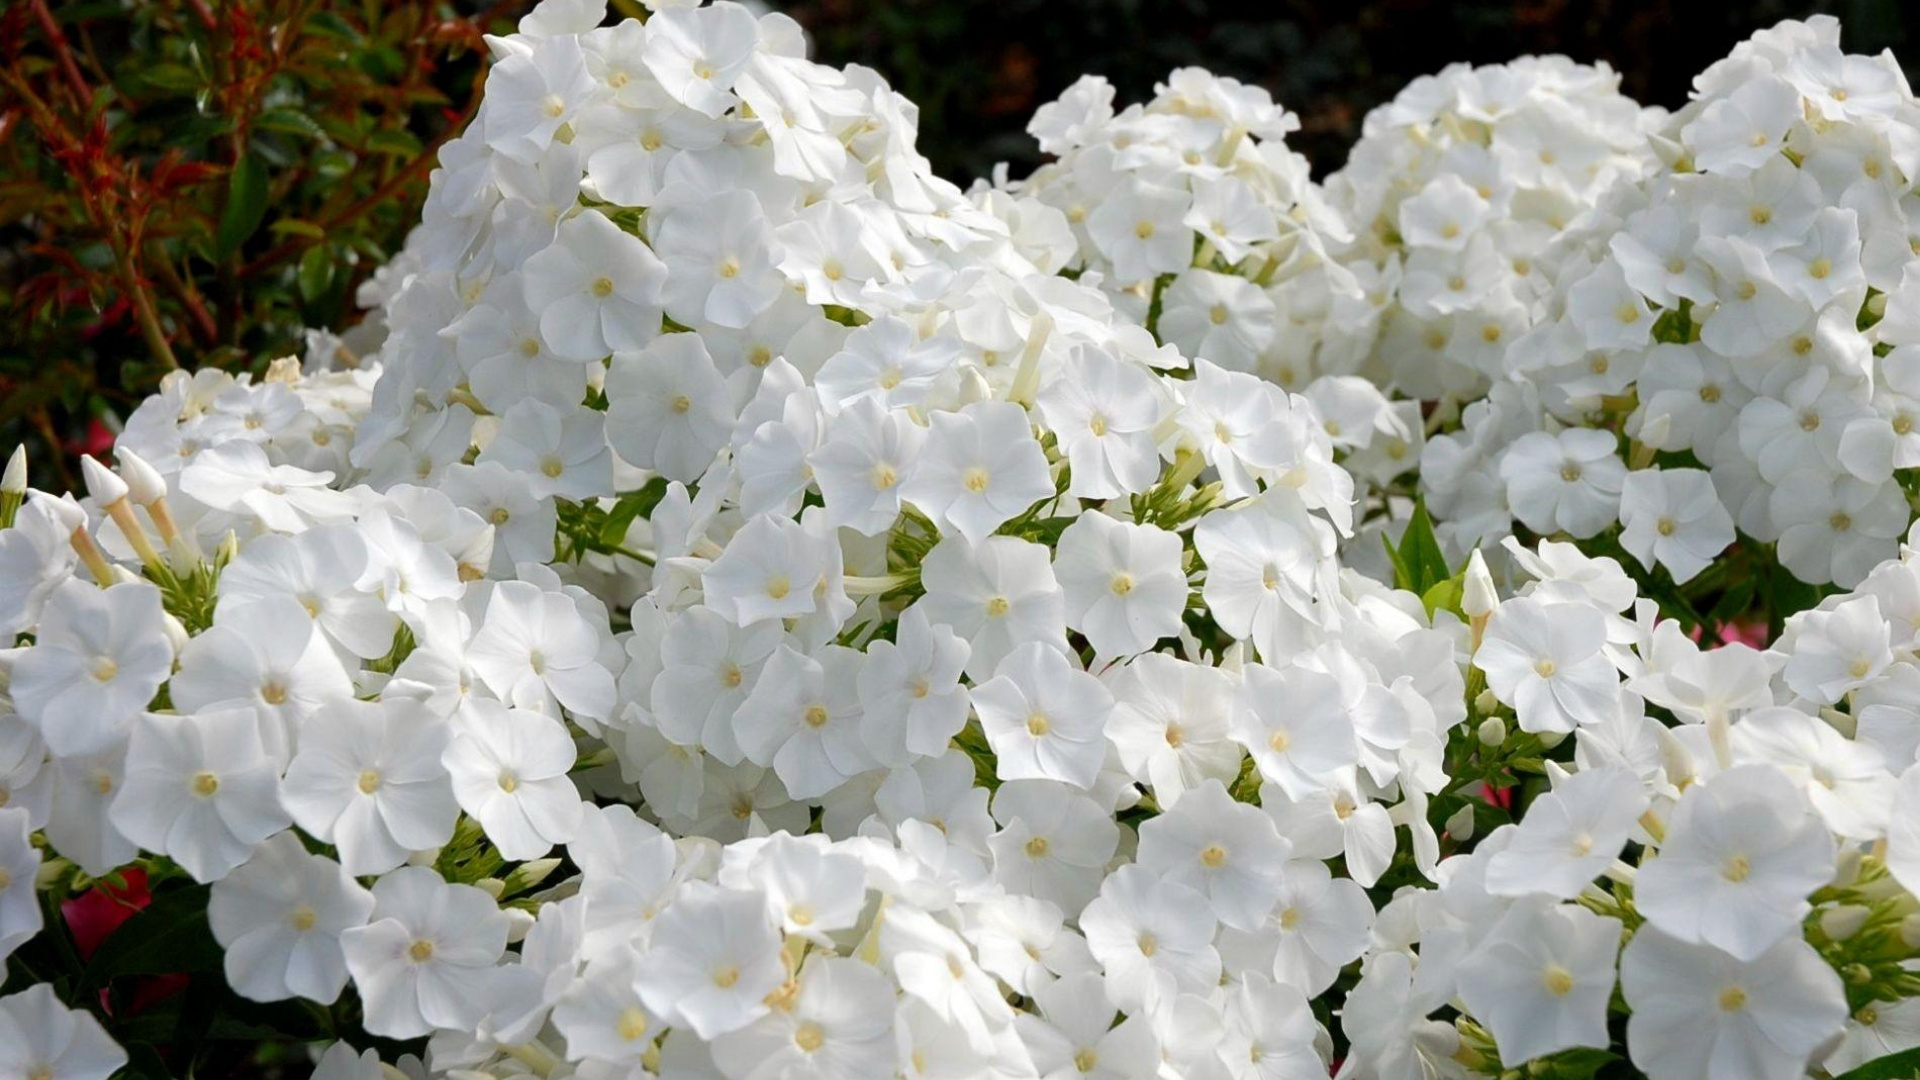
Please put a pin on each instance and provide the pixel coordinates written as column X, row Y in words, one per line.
column 1493, row 731
column 529, row 875
column 1486, row 702
column 492, row 886
column 106, row 488
column 518, row 923
column 974, row 387
column 1842, row 921
column 14, row 481
column 65, row 511
column 144, row 482
column 1460, row 824
column 1910, row 931
column 177, row 635
column 1551, row 739
column 1478, row 595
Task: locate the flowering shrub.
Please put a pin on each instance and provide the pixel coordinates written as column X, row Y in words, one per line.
column 765, row 612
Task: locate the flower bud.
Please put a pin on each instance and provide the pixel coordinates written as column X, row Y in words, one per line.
column 1479, row 596
column 1485, row 702
column 1842, row 921
column 144, row 482
column 1493, row 731
column 1460, row 824
column 1910, row 931
column 102, row 484
column 519, row 923
column 64, row 510
column 1551, row 739
column 177, row 634
column 14, row 481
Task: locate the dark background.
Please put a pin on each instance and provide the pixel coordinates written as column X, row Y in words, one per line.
column 979, row 67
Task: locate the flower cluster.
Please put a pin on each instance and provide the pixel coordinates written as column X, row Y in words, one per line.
column 1728, row 339
column 749, row 614
column 1457, row 192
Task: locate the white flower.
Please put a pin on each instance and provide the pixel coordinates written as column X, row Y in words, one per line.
column 537, row 650
column 35, row 557
column 711, row 961
column 368, row 780
column 1566, row 483
column 998, row 595
column 868, row 452
column 697, row 53
column 803, row 720
column 1292, row 722
column 596, row 288
column 562, row 452
column 1700, row 1014
column 600, row 1016
column 912, row 702
column 98, row 657
column 1138, row 227
column 840, row 1024
column 1124, row 585
column 1541, row 978
column 342, row 1062
column 1076, row 1033
column 1103, row 411
column 1846, row 781
column 20, row 914
column 1323, row 924
column 199, row 789
column 1836, row 528
column 1153, row 938
column 1170, row 724
column 1055, row 842
column 1222, row 318
column 773, row 568
column 279, row 916
column 1838, row 650
column 236, row 477
column 668, row 408
column 1228, row 851
column 720, row 251
column 981, row 467
column 1741, row 854
column 41, row 1039
column 269, row 658
column 1545, row 660
column 1044, row 718
column 321, row 569
column 426, row 960
column 531, row 95
column 509, row 770
column 1673, row 517
column 1741, row 131
column 1263, row 556
column 1569, row 836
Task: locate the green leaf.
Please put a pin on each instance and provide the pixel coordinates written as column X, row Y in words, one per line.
column 316, row 272
column 289, row 121
column 1446, row 596
column 394, row 143
column 1904, row 1065
column 301, row 228
column 246, row 206
column 170, row 935
column 1418, row 563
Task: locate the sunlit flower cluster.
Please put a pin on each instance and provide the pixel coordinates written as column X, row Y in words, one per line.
column 1729, row 343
